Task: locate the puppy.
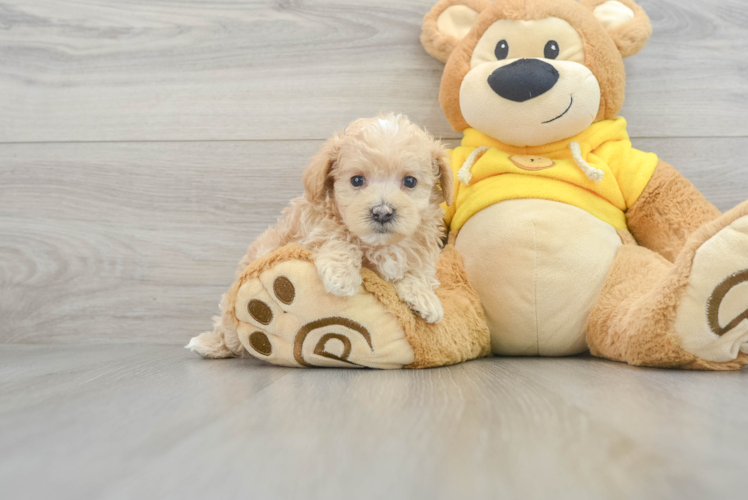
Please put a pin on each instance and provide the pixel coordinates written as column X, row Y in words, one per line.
column 372, row 198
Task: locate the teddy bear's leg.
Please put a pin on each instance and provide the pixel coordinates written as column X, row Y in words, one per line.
column 692, row 313
column 461, row 335
column 282, row 314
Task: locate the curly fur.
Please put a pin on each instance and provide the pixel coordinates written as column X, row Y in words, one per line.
column 333, row 219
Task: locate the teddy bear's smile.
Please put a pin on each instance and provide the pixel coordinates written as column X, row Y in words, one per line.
column 522, row 92
column 526, row 79
column 562, row 114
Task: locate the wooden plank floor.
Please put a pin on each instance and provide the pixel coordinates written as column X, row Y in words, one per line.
column 144, row 144
column 136, row 421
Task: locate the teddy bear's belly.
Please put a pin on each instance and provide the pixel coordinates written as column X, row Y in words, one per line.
column 538, row 267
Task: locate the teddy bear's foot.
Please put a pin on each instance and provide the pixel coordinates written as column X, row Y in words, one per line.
column 287, row 318
column 688, row 314
column 712, row 317
column 278, row 310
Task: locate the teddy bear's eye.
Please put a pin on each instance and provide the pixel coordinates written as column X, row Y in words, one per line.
column 502, row 50
column 551, row 50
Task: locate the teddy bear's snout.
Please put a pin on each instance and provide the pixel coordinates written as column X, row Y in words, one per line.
column 523, row 79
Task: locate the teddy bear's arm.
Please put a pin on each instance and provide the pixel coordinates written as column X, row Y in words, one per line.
column 668, row 211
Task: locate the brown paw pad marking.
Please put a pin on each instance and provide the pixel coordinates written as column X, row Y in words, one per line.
column 284, row 290
column 718, row 295
column 260, row 343
column 319, row 349
column 260, row 311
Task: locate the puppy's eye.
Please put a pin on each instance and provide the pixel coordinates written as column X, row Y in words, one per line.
column 502, row 50
column 358, row 181
column 551, row 50
column 410, row 182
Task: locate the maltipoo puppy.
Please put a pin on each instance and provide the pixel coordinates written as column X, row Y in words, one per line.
column 372, row 198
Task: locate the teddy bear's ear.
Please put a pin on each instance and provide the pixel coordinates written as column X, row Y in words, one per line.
column 626, row 23
column 448, row 23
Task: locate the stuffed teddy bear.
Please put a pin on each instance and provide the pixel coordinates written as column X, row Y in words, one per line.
column 563, row 237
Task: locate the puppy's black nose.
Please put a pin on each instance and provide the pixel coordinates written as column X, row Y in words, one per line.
column 382, row 213
column 523, row 79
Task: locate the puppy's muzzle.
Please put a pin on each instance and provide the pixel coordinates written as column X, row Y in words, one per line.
column 382, row 213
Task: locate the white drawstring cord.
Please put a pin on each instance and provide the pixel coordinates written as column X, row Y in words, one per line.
column 593, row 173
column 464, row 175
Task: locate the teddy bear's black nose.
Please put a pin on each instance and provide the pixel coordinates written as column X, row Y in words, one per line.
column 523, row 79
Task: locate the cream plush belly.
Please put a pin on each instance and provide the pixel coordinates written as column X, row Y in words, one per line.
column 538, row 267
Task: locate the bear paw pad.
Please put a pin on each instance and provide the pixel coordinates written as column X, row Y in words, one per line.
column 287, row 318
column 712, row 318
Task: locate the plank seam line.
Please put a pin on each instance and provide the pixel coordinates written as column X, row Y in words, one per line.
column 14, row 143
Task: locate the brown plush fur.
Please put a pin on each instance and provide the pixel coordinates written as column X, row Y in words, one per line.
column 626, row 237
column 633, row 319
column 437, row 44
column 704, row 365
column 462, row 334
column 602, row 55
column 669, row 210
column 630, row 37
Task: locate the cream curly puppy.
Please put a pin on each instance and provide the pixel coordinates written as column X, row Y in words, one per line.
column 372, row 199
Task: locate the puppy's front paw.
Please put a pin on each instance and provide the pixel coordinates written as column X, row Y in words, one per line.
column 340, row 280
column 425, row 303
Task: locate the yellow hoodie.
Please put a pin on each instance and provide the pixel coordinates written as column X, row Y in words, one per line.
column 550, row 172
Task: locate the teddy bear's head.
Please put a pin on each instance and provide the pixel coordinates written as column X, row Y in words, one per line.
column 531, row 72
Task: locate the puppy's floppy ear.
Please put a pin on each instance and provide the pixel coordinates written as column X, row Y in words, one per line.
column 448, row 23
column 442, row 164
column 316, row 177
column 626, row 23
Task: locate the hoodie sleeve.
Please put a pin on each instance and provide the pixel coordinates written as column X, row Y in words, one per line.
column 632, row 168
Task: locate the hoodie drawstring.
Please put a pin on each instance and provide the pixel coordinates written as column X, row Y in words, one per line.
column 594, row 174
column 464, row 175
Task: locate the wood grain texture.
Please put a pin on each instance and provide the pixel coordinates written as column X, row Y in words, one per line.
column 150, row 70
column 132, row 421
column 136, row 242
column 112, row 242
column 118, row 241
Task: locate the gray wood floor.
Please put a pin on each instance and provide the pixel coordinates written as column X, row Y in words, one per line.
column 144, row 144
column 140, row 421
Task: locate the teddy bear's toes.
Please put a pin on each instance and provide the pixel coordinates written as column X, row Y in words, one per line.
column 712, row 317
column 287, row 318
